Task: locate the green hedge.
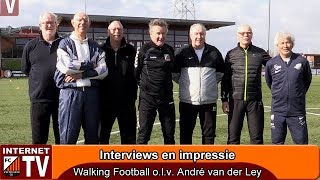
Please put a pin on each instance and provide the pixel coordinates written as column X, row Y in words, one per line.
column 13, row 64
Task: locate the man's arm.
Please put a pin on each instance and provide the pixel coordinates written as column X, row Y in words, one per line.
column 226, row 85
column 25, row 62
column 220, row 68
column 178, row 58
column 307, row 75
column 138, row 64
column 133, row 88
column 100, row 70
column 268, row 75
column 266, row 57
column 226, row 81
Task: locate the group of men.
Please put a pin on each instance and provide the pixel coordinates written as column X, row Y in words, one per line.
column 81, row 84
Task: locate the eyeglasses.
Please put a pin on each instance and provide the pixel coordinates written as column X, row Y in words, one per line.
column 243, row 33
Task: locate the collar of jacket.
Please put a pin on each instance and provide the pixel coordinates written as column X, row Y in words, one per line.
column 56, row 37
column 292, row 57
column 155, row 46
column 122, row 44
column 249, row 46
column 204, row 50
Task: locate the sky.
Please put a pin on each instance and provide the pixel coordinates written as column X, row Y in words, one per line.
column 296, row 16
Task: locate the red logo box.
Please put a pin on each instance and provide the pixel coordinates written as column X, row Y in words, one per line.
column 9, row 7
column 26, row 162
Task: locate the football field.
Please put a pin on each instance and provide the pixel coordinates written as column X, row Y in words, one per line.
column 15, row 125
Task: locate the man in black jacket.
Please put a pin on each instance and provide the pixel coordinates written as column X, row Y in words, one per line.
column 119, row 88
column 39, row 60
column 243, row 78
column 153, row 71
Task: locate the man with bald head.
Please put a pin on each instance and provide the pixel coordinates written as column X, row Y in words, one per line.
column 39, row 64
column 241, row 88
column 119, row 88
column 80, row 68
column 201, row 68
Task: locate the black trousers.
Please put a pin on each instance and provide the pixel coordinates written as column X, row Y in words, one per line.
column 297, row 126
column 254, row 111
column 40, row 121
column 231, row 104
column 148, row 107
column 127, row 121
column 188, row 117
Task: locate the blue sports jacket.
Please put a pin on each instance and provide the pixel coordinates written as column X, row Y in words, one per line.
column 289, row 84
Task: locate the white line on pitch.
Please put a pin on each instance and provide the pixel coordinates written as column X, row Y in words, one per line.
column 158, row 123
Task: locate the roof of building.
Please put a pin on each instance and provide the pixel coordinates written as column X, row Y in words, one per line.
column 145, row 20
column 311, row 54
column 9, row 31
column 14, row 32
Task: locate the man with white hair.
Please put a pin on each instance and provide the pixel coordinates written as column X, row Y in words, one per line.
column 243, row 79
column 38, row 62
column 288, row 75
column 201, row 68
column 80, row 68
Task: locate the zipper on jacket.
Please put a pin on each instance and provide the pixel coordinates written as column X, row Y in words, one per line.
column 200, row 68
column 245, row 75
column 115, row 58
column 288, row 95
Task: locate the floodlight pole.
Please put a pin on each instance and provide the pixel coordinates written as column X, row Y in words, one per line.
column 85, row 6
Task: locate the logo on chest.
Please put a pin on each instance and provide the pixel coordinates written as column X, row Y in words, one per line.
column 277, row 68
column 167, row 57
column 298, row 66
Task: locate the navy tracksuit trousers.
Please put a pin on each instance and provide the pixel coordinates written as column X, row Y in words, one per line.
column 296, row 124
column 79, row 107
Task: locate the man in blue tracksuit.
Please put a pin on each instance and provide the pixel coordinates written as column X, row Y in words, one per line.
column 80, row 66
column 288, row 75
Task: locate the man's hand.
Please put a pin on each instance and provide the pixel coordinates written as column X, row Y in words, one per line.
column 73, row 77
column 225, row 107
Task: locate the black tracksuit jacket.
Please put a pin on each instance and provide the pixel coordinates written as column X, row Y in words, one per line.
column 243, row 73
column 153, row 70
column 120, row 84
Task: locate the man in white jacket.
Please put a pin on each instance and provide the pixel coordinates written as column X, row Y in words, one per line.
column 201, row 67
